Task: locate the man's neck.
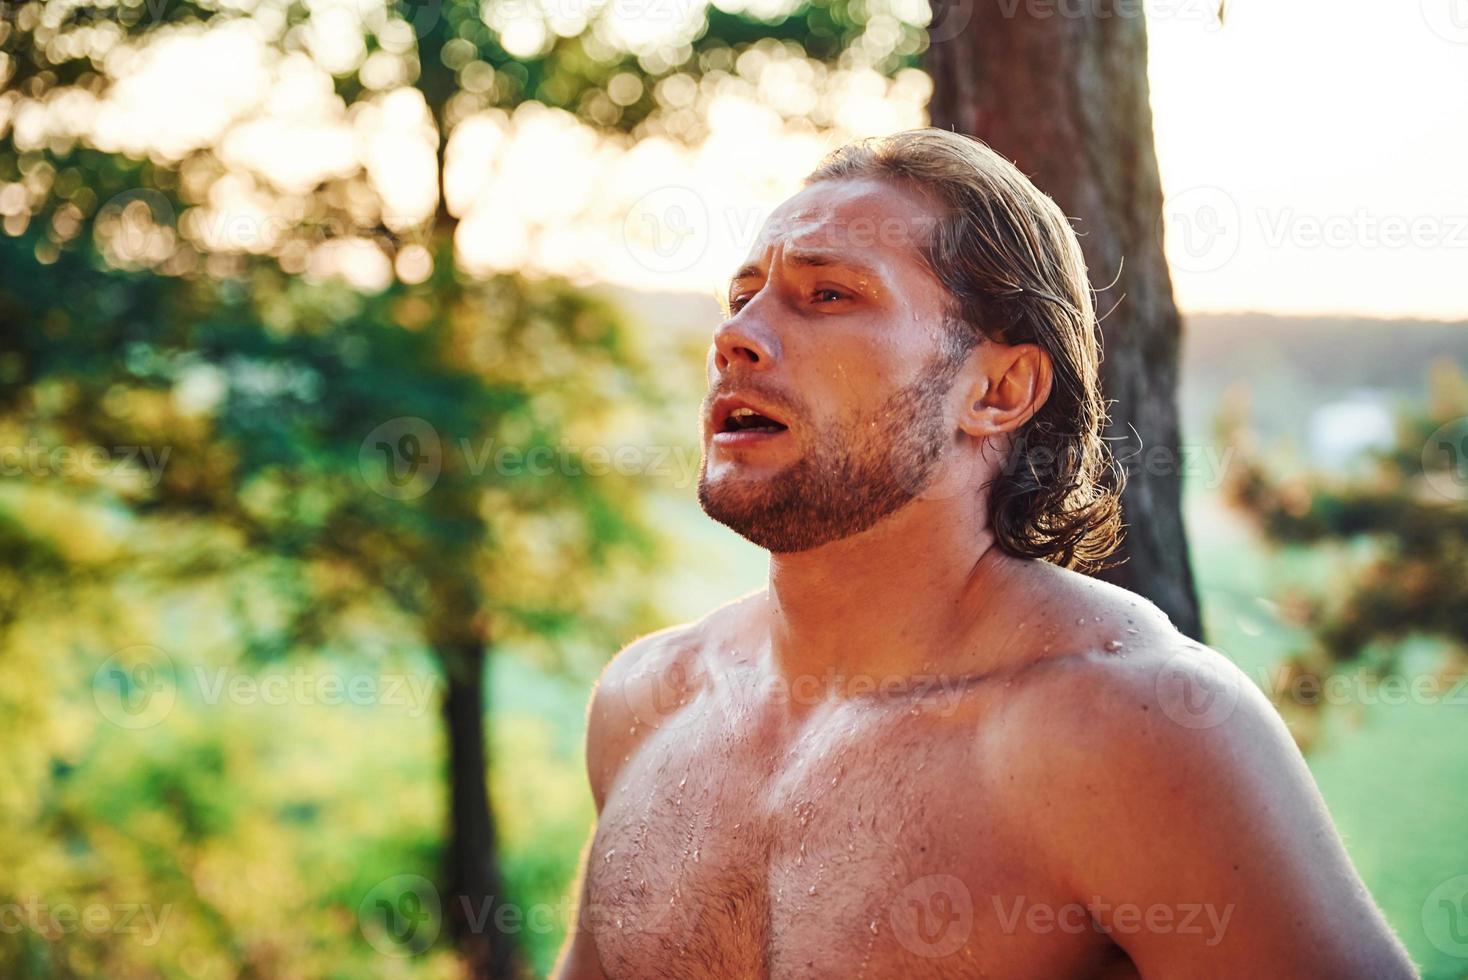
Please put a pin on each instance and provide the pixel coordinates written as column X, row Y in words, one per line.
column 887, row 603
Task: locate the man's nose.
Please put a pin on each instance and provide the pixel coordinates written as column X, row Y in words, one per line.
column 745, row 337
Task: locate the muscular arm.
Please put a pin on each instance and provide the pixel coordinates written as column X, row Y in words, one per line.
column 1180, row 812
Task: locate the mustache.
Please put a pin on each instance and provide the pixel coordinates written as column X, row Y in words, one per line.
column 778, row 401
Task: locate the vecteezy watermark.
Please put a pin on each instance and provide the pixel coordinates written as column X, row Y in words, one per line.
column 1208, row 13
column 51, row 920
column 137, row 687
column 677, row 464
column 1203, row 228
column 669, row 229
column 949, row 19
column 1125, row 918
column 1362, row 688
column 413, row 692
column 403, row 915
column 1448, row 19
column 1198, row 692
column 1445, row 916
column 933, row 916
column 403, row 459
column 657, row 693
column 1445, row 459
column 1362, row 229
column 35, row 458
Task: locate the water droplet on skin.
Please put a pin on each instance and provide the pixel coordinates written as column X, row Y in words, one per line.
column 608, row 855
column 811, row 890
column 1095, row 619
column 1112, row 646
column 1081, row 621
column 683, row 782
column 1132, row 630
column 619, row 922
column 873, row 926
column 696, row 852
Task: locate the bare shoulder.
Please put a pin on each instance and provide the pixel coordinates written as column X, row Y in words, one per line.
column 1120, row 686
column 649, row 680
column 1150, row 771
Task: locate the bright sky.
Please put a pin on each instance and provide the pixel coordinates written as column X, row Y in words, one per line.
column 1313, row 154
column 1329, row 138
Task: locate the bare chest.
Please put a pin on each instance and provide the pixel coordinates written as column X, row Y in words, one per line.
column 857, row 850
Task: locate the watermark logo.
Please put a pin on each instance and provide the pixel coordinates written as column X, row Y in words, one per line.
column 401, row 916
column 136, row 687
column 1445, row 459
column 933, row 916
column 1448, row 19
column 1445, row 917
column 401, row 459
column 1184, row 919
column 1196, row 692
column 136, row 228
column 1204, row 226
column 950, row 18
column 667, row 230
column 52, row 920
column 655, row 693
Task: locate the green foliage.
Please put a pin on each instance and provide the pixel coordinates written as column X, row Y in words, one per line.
column 1403, row 528
column 253, row 469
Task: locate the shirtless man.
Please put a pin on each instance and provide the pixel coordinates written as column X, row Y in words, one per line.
column 930, row 747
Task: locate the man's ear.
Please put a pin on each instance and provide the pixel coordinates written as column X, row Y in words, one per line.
column 1011, row 385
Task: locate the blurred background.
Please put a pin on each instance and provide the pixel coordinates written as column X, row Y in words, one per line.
column 350, row 355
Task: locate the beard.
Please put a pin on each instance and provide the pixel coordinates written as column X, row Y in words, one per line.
column 851, row 476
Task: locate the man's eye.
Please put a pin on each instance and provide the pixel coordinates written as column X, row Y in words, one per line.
column 835, row 294
column 736, row 304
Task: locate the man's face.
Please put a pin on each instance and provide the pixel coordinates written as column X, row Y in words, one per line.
column 837, row 334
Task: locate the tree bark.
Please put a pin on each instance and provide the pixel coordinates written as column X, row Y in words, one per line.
column 1065, row 96
column 475, row 889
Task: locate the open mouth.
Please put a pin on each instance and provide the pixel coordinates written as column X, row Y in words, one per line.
column 748, row 420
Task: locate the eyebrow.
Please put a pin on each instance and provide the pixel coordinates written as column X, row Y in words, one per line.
column 805, row 258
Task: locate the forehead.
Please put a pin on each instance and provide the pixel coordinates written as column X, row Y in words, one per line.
column 876, row 222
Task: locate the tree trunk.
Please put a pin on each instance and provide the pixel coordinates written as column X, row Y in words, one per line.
column 1065, row 97
column 475, row 890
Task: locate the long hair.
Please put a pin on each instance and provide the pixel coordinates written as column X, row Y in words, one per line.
column 1015, row 274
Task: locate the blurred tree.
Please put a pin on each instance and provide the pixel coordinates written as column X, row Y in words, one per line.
column 258, row 390
column 1409, row 511
column 132, row 319
column 1062, row 91
column 116, row 328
